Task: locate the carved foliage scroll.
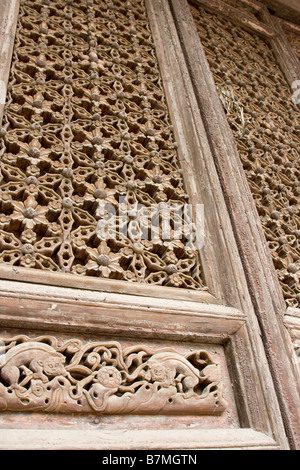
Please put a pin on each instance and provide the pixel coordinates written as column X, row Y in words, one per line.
column 265, row 123
column 102, row 377
column 86, row 126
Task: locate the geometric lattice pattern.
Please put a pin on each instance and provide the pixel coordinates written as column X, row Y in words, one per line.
column 266, row 126
column 85, row 127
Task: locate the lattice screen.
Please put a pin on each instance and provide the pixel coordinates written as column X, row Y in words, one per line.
column 266, row 126
column 86, row 136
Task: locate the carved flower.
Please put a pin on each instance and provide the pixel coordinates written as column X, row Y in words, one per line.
column 39, row 104
column 28, row 236
column 28, row 261
column 104, row 197
column 54, row 229
column 170, row 258
column 4, row 220
column 160, row 179
column 109, row 377
column 103, row 260
column 34, row 151
column 175, row 280
column 30, row 213
column 180, row 279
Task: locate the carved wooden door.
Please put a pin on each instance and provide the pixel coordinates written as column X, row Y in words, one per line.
column 132, row 314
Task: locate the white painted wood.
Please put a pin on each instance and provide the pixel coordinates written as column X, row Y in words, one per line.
column 45, row 439
column 8, row 21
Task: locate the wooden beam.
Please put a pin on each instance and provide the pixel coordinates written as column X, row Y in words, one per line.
column 287, row 9
column 48, row 278
column 9, row 10
column 52, row 308
column 282, row 49
column 236, row 16
column 288, row 26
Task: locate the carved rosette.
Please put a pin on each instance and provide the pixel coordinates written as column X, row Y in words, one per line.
column 105, row 378
column 86, row 138
column 265, row 123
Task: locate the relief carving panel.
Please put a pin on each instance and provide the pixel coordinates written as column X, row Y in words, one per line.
column 40, row 374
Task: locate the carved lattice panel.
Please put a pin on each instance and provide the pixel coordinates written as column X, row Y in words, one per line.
column 86, row 136
column 266, row 126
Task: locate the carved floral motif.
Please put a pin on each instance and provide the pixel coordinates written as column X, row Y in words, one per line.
column 103, row 377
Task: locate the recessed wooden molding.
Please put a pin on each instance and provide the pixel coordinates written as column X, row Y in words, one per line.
column 46, row 375
column 48, row 307
column 244, row 439
column 27, row 275
column 8, row 23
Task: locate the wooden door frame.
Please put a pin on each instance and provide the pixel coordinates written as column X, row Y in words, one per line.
column 262, row 280
column 231, row 314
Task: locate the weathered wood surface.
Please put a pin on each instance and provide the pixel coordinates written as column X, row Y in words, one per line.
column 286, row 57
column 8, row 23
column 191, row 94
column 64, row 309
column 237, row 17
column 262, row 281
column 244, row 439
column 205, row 144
